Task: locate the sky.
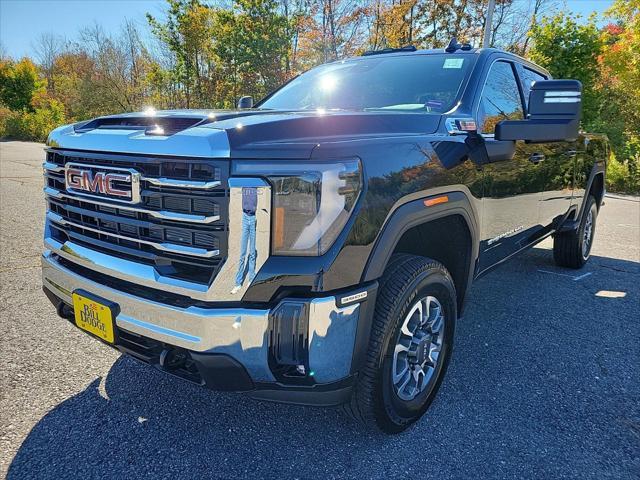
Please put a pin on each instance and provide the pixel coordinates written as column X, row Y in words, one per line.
column 22, row 21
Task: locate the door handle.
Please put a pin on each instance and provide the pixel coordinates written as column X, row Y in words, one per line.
column 537, row 157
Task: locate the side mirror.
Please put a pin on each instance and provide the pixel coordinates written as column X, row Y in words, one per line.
column 245, row 102
column 554, row 114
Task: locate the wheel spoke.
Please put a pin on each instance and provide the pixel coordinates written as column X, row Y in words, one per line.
column 428, row 374
column 587, row 235
column 436, row 324
column 406, row 329
column 411, row 372
column 398, row 376
column 400, row 361
column 418, row 375
column 434, row 353
column 405, row 382
column 426, row 311
column 400, row 347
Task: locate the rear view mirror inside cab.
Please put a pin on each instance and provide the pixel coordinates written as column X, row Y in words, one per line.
column 554, row 114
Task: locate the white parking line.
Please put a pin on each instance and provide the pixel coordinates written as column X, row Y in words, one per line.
column 575, row 279
column 582, row 276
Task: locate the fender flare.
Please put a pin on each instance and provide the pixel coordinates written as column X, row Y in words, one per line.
column 573, row 223
column 411, row 212
column 598, row 169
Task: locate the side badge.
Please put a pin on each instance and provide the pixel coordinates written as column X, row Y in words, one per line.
column 353, row 298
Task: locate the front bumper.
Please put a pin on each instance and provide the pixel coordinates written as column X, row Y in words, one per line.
column 236, row 342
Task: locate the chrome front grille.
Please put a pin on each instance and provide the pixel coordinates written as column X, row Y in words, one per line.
column 179, row 227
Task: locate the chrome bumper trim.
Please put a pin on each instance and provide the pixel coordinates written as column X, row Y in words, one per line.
column 241, row 333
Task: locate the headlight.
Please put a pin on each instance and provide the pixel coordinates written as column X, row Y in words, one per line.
column 311, row 201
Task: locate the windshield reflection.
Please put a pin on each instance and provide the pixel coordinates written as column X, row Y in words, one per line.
column 428, row 83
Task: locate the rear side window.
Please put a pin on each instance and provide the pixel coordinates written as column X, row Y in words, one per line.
column 500, row 98
column 528, row 78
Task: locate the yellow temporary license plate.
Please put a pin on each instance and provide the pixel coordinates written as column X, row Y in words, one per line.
column 94, row 317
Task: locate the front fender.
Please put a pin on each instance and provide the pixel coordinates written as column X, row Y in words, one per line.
column 411, row 212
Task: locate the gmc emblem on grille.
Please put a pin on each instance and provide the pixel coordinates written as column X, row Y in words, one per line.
column 121, row 184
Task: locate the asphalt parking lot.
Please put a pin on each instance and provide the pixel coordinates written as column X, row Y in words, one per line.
column 544, row 381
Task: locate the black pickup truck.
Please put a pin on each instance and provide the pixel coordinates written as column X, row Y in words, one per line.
column 317, row 248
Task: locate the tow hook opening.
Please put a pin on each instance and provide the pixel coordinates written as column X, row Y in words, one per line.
column 64, row 311
column 173, row 358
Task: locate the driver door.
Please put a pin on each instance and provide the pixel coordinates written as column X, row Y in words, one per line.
column 511, row 193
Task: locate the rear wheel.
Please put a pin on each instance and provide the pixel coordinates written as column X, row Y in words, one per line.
column 572, row 249
column 410, row 345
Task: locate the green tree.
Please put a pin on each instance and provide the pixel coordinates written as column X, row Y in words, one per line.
column 76, row 85
column 19, row 82
column 570, row 49
column 252, row 45
column 619, row 91
column 188, row 35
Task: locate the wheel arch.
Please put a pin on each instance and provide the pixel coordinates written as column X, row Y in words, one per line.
column 595, row 186
column 409, row 228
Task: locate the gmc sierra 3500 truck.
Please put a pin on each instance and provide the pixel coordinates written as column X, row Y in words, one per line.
column 317, row 248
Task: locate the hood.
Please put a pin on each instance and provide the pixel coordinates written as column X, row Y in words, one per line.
column 234, row 133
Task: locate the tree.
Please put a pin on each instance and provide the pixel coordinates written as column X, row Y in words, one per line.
column 441, row 20
column 48, row 47
column 19, row 82
column 3, row 52
column 76, row 85
column 188, row 35
column 120, row 65
column 619, row 90
column 253, row 43
column 336, row 30
column 620, row 62
column 570, row 49
column 298, row 15
column 392, row 24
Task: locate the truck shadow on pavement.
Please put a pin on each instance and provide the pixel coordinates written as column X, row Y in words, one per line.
column 527, row 394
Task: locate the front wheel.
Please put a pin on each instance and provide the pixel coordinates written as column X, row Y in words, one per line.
column 410, row 345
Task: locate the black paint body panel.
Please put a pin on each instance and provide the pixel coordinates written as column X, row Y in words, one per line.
column 405, row 159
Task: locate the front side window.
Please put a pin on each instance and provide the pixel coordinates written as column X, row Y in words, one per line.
column 500, row 98
column 529, row 77
column 422, row 83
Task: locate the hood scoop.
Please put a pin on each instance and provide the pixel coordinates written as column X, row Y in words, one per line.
column 151, row 125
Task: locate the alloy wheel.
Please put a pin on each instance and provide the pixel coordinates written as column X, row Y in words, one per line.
column 417, row 351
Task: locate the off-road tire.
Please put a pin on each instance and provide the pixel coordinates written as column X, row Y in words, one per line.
column 406, row 279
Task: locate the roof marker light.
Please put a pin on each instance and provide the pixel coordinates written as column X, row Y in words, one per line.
column 430, row 202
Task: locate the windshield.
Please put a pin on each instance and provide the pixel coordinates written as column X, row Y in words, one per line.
column 426, row 83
